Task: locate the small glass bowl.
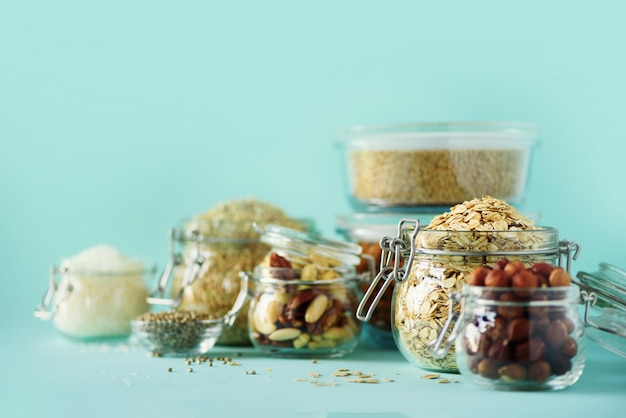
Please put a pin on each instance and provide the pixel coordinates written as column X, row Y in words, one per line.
column 166, row 336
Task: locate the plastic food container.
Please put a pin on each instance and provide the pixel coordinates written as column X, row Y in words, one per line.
column 604, row 295
column 304, row 295
column 436, row 165
column 96, row 293
column 184, row 333
column 367, row 230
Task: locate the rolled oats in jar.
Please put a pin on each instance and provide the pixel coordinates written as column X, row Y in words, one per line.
column 304, row 295
column 440, row 256
column 216, row 246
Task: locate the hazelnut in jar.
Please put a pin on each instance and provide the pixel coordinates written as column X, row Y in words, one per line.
column 525, row 336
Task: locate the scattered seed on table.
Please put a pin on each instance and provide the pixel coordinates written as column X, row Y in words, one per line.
column 431, row 376
column 362, row 380
column 169, row 369
column 190, row 370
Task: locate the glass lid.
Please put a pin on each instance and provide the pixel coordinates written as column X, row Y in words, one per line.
column 604, row 295
column 307, row 243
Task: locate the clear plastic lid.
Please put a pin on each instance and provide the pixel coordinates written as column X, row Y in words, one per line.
column 498, row 135
column 604, row 294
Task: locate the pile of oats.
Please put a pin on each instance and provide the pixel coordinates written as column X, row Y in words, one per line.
column 467, row 234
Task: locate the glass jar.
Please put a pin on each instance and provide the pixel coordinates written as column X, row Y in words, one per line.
column 204, row 276
column 436, row 264
column 517, row 340
column 304, row 296
column 604, row 295
column 98, row 294
column 366, row 230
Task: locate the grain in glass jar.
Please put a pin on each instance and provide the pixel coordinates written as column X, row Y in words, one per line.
column 439, row 257
column 207, row 253
column 304, row 295
column 99, row 292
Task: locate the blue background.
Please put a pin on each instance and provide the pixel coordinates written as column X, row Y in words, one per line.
column 120, row 118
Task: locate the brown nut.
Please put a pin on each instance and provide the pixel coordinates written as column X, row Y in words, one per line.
column 542, row 269
column 513, row 372
column 477, row 276
column 498, row 329
column 519, row 329
column 316, row 308
column 332, row 316
column 533, row 349
column 488, row 369
column 556, row 334
column 525, row 279
column 297, row 306
column 514, row 267
column 539, row 371
column 499, row 350
column 569, row 348
column 540, row 325
column 497, row 278
column 560, row 364
column 510, row 312
column 559, row 277
column 500, row 264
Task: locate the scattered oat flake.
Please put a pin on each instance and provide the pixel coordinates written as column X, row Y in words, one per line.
column 431, row 376
column 314, row 374
column 299, row 379
column 343, row 369
column 341, row 374
column 362, row 380
column 325, row 383
column 444, row 381
column 365, row 376
column 314, row 360
column 387, row 380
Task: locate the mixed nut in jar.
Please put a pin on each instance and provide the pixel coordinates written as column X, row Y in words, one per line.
column 438, row 259
column 518, row 328
column 216, row 246
column 304, row 295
